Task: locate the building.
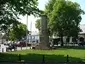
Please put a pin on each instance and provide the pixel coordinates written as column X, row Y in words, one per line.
column 33, row 37
column 82, row 33
column 2, row 42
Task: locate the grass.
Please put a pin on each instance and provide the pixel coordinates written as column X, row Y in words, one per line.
column 58, row 55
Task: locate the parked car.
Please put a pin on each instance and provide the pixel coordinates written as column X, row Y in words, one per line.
column 11, row 46
column 82, row 44
column 81, row 41
column 22, row 44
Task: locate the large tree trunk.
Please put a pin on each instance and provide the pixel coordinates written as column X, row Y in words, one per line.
column 67, row 40
column 62, row 41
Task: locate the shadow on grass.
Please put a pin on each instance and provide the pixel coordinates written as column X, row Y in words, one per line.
column 37, row 58
column 71, row 47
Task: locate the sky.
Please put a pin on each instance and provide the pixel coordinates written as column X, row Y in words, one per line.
column 82, row 4
column 41, row 6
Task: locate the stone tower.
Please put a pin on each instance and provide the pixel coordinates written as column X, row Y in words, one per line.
column 44, row 37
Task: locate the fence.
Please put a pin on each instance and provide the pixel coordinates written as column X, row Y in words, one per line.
column 20, row 61
column 7, row 62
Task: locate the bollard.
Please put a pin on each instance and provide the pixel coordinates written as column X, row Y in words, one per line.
column 19, row 57
column 0, row 55
column 43, row 59
column 67, row 58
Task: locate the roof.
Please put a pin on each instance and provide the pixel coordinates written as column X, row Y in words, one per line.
column 82, row 27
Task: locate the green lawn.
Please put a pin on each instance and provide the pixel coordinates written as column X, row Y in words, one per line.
column 58, row 55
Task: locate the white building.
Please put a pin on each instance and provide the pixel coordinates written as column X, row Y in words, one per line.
column 3, row 48
column 33, row 37
column 82, row 33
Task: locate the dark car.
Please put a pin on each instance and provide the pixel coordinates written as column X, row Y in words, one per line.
column 54, row 42
column 22, row 44
column 82, row 44
column 11, row 46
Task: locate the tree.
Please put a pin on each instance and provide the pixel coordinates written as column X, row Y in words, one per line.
column 21, row 6
column 37, row 25
column 48, row 11
column 64, row 18
column 11, row 9
column 17, row 32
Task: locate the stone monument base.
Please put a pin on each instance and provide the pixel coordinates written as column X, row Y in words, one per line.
column 42, row 47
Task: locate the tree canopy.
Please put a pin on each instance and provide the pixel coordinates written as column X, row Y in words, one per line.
column 11, row 9
column 64, row 18
column 37, row 25
column 9, row 15
column 21, row 6
column 17, row 32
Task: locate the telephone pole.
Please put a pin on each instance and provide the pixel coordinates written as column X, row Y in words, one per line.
column 26, row 31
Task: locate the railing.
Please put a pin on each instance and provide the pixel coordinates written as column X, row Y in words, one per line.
column 6, row 62
column 20, row 61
